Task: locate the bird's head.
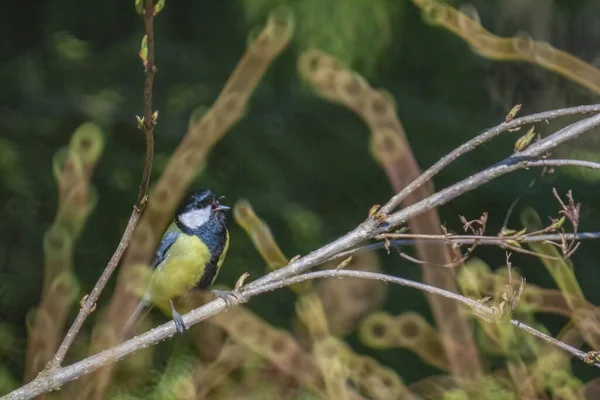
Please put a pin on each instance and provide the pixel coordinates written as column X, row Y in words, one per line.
column 200, row 207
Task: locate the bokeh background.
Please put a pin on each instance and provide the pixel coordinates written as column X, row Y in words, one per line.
column 303, row 163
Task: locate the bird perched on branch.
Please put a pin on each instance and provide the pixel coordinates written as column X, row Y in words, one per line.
column 189, row 256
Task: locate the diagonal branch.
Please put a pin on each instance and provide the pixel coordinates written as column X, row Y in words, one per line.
column 371, row 227
column 89, row 302
column 479, row 140
column 51, row 380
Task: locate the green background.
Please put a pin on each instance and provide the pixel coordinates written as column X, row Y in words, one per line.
column 303, row 163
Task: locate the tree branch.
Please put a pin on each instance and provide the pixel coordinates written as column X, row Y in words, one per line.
column 510, row 164
column 479, row 140
column 89, row 301
column 462, row 240
column 51, row 380
column 373, row 226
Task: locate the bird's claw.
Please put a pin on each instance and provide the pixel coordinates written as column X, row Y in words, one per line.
column 231, row 297
column 178, row 319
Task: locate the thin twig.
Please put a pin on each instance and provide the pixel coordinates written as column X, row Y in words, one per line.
column 51, row 380
column 149, row 121
column 467, row 239
column 479, row 140
column 476, row 306
column 371, row 227
column 518, row 161
column 563, row 163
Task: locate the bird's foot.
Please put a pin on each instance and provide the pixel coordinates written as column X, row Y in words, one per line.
column 178, row 319
column 231, row 297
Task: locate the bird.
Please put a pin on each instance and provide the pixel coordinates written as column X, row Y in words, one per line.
column 189, row 256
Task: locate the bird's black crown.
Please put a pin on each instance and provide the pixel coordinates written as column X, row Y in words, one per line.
column 197, row 200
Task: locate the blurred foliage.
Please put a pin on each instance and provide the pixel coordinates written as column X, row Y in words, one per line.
column 356, row 31
column 302, row 163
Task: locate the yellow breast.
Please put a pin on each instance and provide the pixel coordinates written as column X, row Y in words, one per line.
column 180, row 271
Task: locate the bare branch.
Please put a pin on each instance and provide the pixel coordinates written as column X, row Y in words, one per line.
column 371, row 227
column 509, row 164
column 50, row 380
column 89, row 305
column 479, row 140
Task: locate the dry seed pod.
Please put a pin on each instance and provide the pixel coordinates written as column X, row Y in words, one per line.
column 263, row 240
column 380, row 382
column 203, row 120
column 276, row 346
column 387, row 146
column 416, row 334
column 63, row 291
column 229, row 107
column 351, row 88
column 523, row 44
column 433, row 12
column 329, row 353
column 378, row 330
column 335, row 378
column 520, row 47
column 260, row 233
column 275, row 35
column 433, row 387
column 346, row 301
column 88, row 143
column 323, row 82
column 280, row 26
column 310, row 311
column 231, row 357
column 58, row 252
column 76, row 208
column 308, row 63
column 314, row 60
column 379, row 108
column 68, row 170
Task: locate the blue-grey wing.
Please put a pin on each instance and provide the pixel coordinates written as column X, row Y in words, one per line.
column 166, row 242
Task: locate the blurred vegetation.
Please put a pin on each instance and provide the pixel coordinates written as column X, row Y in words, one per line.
column 305, row 167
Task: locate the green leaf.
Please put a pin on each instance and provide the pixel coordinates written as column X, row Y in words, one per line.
column 144, row 50
column 159, row 6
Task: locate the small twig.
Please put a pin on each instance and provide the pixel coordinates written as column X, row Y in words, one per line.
column 477, row 141
column 461, row 240
column 149, row 121
column 510, row 164
column 370, row 227
column 149, row 115
column 563, row 163
column 572, row 213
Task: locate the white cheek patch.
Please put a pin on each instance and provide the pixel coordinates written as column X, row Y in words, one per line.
column 195, row 218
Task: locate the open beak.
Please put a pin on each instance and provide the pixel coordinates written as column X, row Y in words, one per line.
column 221, row 207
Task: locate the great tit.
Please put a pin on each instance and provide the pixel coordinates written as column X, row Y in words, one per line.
column 189, row 256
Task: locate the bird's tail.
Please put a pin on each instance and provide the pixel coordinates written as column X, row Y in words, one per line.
column 140, row 312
